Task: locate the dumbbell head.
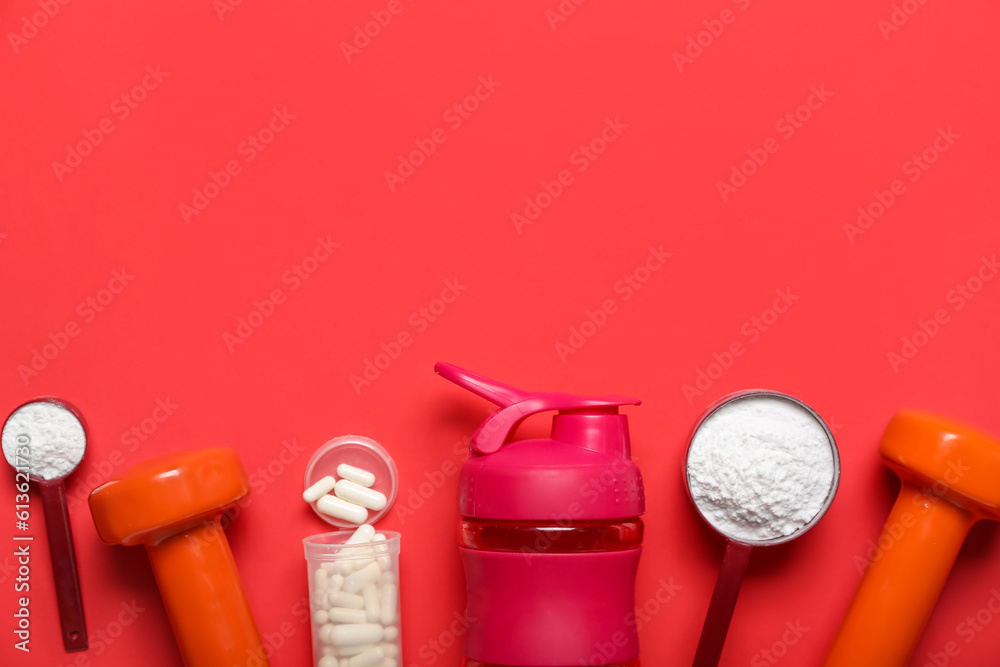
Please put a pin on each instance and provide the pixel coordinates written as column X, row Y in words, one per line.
column 945, row 458
column 167, row 494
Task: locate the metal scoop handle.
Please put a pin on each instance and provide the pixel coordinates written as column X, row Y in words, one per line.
column 63, row 555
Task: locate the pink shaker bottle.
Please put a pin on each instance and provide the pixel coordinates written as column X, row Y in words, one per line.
column 550, row 534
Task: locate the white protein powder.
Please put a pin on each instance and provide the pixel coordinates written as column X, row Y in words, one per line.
column 760, row 467
column 54, row 436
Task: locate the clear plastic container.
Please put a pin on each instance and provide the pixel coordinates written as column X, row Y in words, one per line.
column 360, row 452
column 354, row 600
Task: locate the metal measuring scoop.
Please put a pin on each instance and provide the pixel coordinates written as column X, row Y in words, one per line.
column 738, row 548
column 44, row 440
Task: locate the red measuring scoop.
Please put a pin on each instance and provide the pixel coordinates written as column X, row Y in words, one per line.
column 49, row 418
column 737, row 556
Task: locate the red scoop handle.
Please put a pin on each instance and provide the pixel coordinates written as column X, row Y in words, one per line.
column 720, row 609
column 68, row 597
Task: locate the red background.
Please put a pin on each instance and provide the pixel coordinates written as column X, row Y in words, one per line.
column 164, row 335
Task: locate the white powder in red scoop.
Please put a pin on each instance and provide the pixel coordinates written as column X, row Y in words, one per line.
column 54, row 438
column 760, row 467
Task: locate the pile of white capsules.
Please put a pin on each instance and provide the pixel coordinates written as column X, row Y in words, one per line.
column 356, row 604
column 352, row 495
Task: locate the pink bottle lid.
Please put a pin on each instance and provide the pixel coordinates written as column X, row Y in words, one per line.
column 583, row 472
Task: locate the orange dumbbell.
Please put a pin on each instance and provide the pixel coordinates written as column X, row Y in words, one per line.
column 951, row 480
column 173, row 504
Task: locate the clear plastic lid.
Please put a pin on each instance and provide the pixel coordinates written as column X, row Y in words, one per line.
column 360, row 452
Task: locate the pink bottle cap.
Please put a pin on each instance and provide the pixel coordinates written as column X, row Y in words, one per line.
column 583, row 472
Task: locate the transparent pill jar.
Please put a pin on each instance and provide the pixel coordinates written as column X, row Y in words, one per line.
column 354, row 600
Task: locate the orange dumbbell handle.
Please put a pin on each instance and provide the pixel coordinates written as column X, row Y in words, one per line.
column 897, row 593
column 204, row 597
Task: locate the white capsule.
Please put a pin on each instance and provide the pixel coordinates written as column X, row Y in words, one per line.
column 356, row 633
column 370, row 595
column 391, row 650
column 363, row 535
column 341, row 509
column 388, row 577
column 350, row 650
column 324, row 633
column 318, row 599
column 390, row 633
column 329, row 566
column 345, row 599
column 328, row 661
column 319, row 489
column 347, row 615
column 374, row 553
column 329, row 650
column 321, row 578
column 321, row 617
column 387, row 604
column 389, row 662
column 355, row 581
column 356, row 475
column 336, row 582
column 361, row 563
column 370, row 656
column 344, row 662
column 360, row 495
column 384, row 561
